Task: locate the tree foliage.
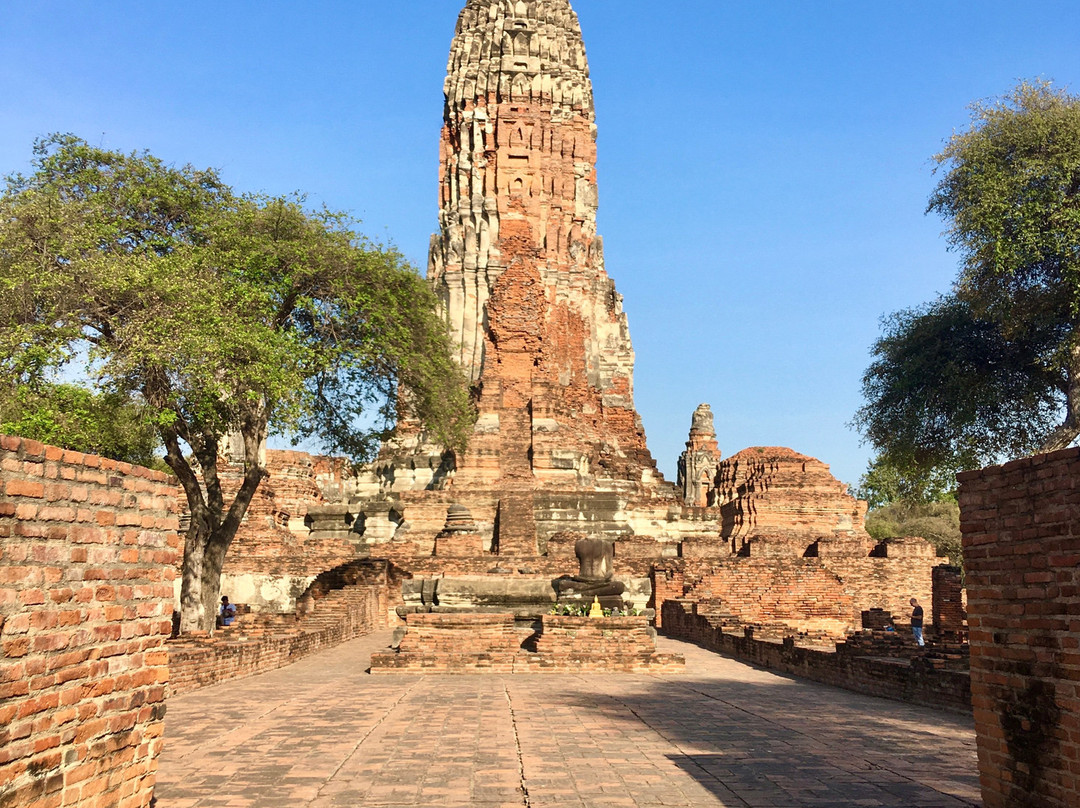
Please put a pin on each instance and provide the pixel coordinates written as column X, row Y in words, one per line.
column 73, row 417
column 885, row 483
column 948, row 391
column 221, row 314
column 911, row 502
column 992, row 370
column 937, row 522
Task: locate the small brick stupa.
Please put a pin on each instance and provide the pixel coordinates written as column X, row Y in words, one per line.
column 774, row 495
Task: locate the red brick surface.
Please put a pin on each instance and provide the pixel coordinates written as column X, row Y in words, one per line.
column 826, row 594
column 623, row 644
column 773, row 490
column 1021, row 536
column 243, row 650
column 491, row 643
column 949, row 611
column 88, row 548
column 272, row 539
column 918, row 684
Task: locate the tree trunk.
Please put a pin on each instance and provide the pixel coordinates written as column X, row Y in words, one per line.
column 197, row 608
column 213, row 523
column 208, row 539
column 204, row 559
column 1064, row 435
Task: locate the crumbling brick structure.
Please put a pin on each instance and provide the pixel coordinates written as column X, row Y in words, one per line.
column 948, row 610
column 275, row 555
column 88, row 549
column 539, row 326
column 825, row 594
column 769, row 491
column 1021, row 539
column 557, row 446
column 848, row 666
column 258, row 643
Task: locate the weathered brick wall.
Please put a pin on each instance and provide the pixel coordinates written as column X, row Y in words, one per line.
column 809, row 593
column 87, row 554
column 800, row 593
column 238, row 652
column 273, row 539
column 1021, row 537
column 274, row 556
column 492, row 643
column 886, row 583
column 949, row 613
column 668, row 583
column 455, row 643
column 622, row 644
column 918, row 684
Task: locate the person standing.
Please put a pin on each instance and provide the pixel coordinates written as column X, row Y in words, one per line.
column 917, row 621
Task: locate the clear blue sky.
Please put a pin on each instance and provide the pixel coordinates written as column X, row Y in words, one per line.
column 764, row 166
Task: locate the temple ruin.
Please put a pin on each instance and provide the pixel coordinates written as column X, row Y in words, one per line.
column 558, row 451
column 541, row 334
column 762, row 555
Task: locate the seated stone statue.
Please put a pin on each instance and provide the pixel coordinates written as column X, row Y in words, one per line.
column 596, row 569
column 596, row 560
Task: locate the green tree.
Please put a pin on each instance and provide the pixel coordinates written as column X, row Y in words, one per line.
column 992, row 370
column 910, row 502
column 885, row 483
column 937, row 522
column 73, row 417
column 223, row 315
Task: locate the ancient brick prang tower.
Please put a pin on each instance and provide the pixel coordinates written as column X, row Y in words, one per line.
column 518, row 264
column 697, row 465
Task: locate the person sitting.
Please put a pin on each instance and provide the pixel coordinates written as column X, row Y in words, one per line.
column 227, row 613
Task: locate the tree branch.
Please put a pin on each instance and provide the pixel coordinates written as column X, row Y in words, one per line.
column 253, row 430
column 1064, row 435
column 189, row 480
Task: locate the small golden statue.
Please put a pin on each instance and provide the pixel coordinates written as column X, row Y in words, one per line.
column 597, row 610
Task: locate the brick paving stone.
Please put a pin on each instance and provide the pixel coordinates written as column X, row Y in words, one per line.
column 323, row 733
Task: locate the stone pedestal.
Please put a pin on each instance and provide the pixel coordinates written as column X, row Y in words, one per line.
column 490, row 643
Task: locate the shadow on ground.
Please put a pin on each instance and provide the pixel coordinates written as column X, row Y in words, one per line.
column 780, row 742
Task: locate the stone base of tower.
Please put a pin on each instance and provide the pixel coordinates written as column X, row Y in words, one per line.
column 472, row 547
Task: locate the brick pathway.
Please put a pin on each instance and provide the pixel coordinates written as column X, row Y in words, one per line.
column 323, row 734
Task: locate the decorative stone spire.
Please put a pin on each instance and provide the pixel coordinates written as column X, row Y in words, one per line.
column 524, row 51
column 697, row 465
column 518, row 264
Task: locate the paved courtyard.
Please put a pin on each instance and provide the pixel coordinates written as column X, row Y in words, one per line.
column 323, row 733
